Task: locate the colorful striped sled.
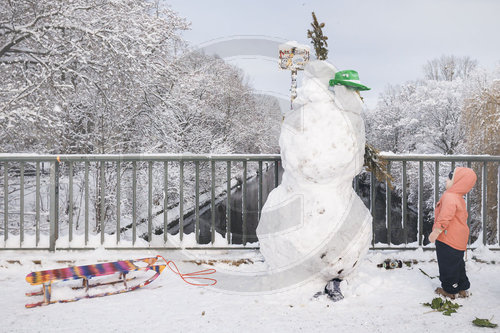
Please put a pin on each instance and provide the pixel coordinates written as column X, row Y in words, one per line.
column 88, row 271
column 47, row 277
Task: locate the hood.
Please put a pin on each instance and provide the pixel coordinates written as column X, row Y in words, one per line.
column 463, row 180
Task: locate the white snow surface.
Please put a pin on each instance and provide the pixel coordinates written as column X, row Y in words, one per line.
column 314, row 221
column 376, row 299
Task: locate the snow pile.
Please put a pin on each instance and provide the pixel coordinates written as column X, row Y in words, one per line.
column 314, row 221
column 376, row 299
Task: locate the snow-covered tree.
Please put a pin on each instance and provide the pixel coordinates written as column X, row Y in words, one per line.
column 481, row 116
column 104, row 76
column 108, row 77
column 454, row 110
column 419, row 117
column 74, row 70
column 449, row 68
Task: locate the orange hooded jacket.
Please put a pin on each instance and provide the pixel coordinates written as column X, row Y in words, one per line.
column 450, row 214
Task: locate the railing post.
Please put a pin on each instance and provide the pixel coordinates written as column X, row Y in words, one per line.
column 404, row 201
column 118, row 200
column 420, row 202
column 165, row 201
column 259, row 198
column 102, row 201
column 86, row 181
column 56, row 164
column 70, row 226
column 436, row 183
column 484, row 201
column 150, row 201
column 181, row 200
column 228, row 205
column 276, row 174
column 134, row 203
column 6, row 201
column 498, row 203
column 53, row 207
column 388, row 206
column 467, row 203
column 372, row 204
column 21, row 207
column 244, row 204
column 197, row 201
column 37, row 204
column 212, row 203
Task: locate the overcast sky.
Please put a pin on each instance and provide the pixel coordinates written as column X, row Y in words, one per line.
column 386, row 41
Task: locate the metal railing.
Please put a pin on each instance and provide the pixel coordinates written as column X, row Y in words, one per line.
column 480, row 163
column 111, row 173
column 15, row 166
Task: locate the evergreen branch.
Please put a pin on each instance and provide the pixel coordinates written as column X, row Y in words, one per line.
column 318, row 39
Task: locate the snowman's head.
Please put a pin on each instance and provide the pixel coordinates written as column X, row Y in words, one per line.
column 316, row 87
column 347, row 98
column 346, row 88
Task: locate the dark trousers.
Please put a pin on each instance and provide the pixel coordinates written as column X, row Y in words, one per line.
column 451, row 268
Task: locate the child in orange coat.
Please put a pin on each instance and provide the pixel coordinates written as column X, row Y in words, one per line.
column 451, row 233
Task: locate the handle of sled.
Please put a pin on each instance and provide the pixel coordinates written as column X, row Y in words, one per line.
column 193, row 275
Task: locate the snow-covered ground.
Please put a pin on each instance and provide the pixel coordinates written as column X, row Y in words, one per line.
column 376, row 299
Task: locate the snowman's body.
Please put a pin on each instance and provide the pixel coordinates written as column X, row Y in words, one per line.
column 314, row 218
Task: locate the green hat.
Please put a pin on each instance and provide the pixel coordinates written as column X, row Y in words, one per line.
column 349, row 78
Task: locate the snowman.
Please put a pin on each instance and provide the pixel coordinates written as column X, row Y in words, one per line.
column 315, row 220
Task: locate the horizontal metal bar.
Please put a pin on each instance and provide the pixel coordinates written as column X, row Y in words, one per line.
column 387, row 248
column 226, row 157
column 206, row 248
column 184, row 248
column 140, row 157
column 133, row 248
column 24, row 248
column 441, row 158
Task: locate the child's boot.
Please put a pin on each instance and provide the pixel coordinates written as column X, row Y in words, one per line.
column 441, row 291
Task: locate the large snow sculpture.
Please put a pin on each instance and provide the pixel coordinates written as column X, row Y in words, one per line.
column 314, row 219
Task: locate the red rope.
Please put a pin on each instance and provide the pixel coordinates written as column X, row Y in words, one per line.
column 193, row 275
